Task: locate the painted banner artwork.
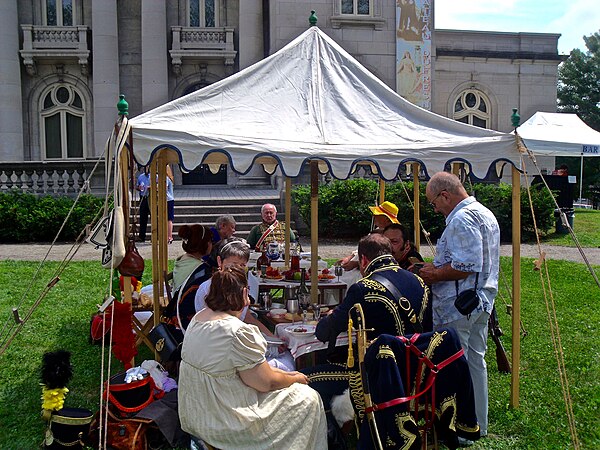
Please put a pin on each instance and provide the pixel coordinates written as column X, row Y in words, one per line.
column 413, row 51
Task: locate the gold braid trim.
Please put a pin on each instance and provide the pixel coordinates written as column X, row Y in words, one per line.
column 445, row 405
column 358, row 395
column 425, row 299
column 386, row 352
column 327, row 376
column 401, row 420
column 391, row 307
column 373, row 285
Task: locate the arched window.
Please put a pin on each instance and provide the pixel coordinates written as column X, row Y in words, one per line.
column 59, row 13
column 472, row 107
column 203, row 13
column 62, row 123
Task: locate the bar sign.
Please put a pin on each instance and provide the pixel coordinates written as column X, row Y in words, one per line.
column 594, row 149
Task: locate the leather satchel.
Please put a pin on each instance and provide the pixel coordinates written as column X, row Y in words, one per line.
column 124, row 434
column 132, row 264
column 164, row 342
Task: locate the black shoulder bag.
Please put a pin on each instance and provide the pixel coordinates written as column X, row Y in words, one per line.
column 468, row 300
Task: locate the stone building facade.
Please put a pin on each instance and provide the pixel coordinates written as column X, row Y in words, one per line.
column 65, row 62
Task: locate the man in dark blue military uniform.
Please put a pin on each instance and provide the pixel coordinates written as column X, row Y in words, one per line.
column 394, row 300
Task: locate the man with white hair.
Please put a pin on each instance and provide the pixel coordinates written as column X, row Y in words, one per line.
column 467, row 257
column 224, row 228
column 270, row 230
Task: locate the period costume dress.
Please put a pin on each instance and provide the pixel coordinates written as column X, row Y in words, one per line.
column 216, row 406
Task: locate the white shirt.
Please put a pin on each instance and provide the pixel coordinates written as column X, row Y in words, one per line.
column 470, row 243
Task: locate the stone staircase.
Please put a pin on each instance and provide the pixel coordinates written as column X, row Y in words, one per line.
column 204, row 206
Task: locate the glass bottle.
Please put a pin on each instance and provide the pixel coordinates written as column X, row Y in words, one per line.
column 303, row 291
column 295, row 256
column 262, row 263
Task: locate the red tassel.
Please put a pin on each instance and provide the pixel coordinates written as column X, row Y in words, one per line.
column 124, row 347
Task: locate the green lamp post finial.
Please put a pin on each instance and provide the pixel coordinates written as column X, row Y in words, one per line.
column 313, row 18
column 123, row 106
column 515, row 118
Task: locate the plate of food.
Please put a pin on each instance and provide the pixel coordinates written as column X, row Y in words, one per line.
column 273, row 277
column 272, row 273
column 301, row 329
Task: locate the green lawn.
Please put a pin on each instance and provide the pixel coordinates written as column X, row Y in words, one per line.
column 62, row 321
column 586, row 226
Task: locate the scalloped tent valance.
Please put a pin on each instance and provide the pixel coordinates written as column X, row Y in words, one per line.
column 312, row 100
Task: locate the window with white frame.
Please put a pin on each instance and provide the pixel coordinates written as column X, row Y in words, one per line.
column 62, row 117
column 203, row 13
column 473, row 107
column 60, row 13
column 356, row 7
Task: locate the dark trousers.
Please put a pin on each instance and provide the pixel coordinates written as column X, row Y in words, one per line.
column 144, row 213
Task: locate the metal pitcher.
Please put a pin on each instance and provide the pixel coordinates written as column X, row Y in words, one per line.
column 290, row 292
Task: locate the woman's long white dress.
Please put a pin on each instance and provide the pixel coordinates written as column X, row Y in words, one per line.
column 216, row 406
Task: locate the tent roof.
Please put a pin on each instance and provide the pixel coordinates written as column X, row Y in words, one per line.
column 309, row 100
column 559, row 134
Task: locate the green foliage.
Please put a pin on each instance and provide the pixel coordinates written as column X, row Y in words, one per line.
column 344, row 212
column 579, row 82
column 27, row 218
column 343, row 205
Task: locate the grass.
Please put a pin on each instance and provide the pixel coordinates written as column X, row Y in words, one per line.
column 62, row 321
column 586, row 226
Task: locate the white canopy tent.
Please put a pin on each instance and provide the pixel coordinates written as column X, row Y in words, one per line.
column 313, row 102
column 560, row 134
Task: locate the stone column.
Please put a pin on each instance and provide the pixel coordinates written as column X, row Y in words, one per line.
column 105, row 86
column 155, row 79
column 250, row 49
column 11, row 108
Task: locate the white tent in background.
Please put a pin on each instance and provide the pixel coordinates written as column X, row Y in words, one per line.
column 560, row 134
column 311, row 100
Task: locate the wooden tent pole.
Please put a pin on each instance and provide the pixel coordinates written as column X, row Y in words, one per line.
column 516, row 281
column 162, row 220
column 381, row 191
column 416, row 205
column 314, row 232
column 288, row 219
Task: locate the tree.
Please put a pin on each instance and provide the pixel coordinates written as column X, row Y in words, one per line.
column 579, row 82
column 579, row 93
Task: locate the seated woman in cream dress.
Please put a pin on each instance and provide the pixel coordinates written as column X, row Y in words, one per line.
column 228, row 395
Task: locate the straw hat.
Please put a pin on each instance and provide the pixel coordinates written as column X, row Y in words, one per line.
column 386, row 209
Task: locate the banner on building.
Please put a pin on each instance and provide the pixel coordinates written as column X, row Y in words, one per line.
column 413, row 51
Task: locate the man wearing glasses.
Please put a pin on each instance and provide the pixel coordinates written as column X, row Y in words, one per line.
column 467, row 257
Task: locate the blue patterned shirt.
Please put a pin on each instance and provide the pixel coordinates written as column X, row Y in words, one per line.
column 470, row 243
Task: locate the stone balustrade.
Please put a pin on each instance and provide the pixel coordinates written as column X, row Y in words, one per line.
column 196, row 44
column 58, row 178
column 51, row 42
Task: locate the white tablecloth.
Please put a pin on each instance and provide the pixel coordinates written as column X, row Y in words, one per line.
column 300, row 345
